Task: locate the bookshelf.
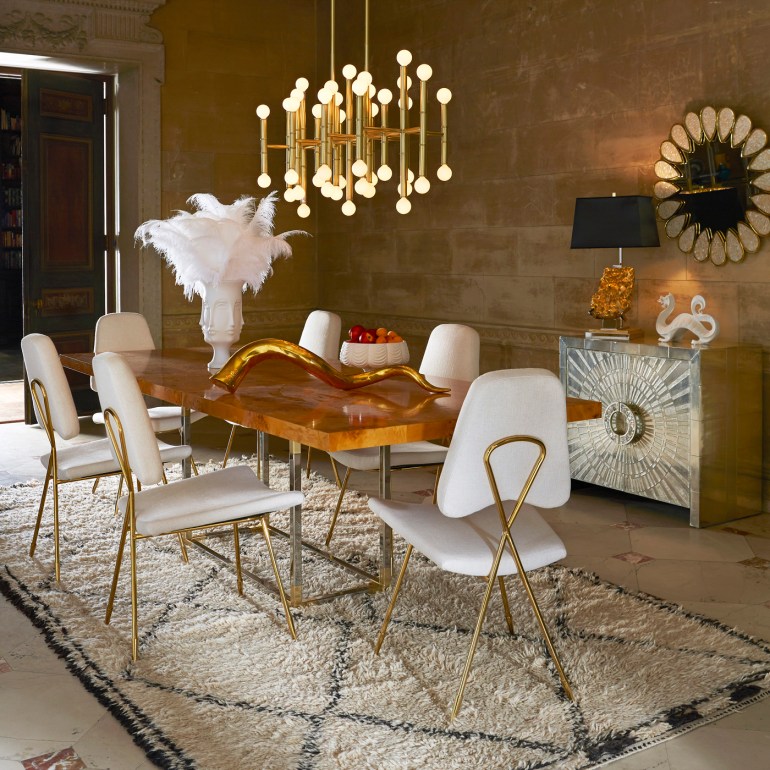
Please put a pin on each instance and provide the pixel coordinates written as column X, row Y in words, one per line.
column 10, row 213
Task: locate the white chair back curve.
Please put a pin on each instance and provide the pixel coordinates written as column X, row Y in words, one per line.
column 321, row 334
column 42, row 363
column 119, row 391
column 122, row 331
column 453, row 352
column 509, row 402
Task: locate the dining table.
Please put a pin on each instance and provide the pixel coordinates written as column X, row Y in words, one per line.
column 280, row 399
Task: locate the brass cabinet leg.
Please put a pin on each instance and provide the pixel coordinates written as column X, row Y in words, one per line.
column 389, row 611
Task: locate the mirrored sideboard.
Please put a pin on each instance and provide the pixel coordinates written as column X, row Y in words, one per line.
column 680, row 424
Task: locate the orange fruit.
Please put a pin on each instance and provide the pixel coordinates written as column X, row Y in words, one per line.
column 396, row 338
column 381, row 339
column 392, row 334
column 382, row 332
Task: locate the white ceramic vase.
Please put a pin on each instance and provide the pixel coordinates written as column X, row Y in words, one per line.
column 221, row 319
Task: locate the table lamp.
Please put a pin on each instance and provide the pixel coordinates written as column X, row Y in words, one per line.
column 616, row 222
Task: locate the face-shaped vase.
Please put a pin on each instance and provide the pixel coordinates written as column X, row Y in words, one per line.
column 221, row 319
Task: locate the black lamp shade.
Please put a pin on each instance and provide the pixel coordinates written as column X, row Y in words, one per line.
column 623, row 221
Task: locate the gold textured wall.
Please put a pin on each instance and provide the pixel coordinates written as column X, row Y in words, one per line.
column 224, row 57
column 553, row 100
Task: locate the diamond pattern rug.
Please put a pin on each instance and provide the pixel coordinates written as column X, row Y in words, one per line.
column 220, row 684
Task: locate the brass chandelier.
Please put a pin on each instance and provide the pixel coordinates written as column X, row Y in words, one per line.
column 349, row 147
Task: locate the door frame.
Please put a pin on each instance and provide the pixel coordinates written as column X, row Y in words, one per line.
column 99, row 40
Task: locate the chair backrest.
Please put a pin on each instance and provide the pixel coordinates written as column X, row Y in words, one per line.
column 121, row 331
column 510, row 402
column 453, row 352
column 119, row 391
column 42, row 363
column 321, row 334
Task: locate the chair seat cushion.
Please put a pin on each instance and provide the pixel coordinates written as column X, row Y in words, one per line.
column 95, row 458
column 201, row 501
column 163, row 418
column 468, row 545
column 401, row 455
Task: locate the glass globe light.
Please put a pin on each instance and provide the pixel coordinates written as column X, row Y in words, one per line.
column 422, row 185
column 288, row 194
column 324, row 95
column 408, row 82
column 359, row 167
column 443, row 95
column 317, row 180
column 408, row 188
column 299, row 192
column 444, row 173
column 263, row 180
column 263, row 111
column 365, row 77
column 326, row 189
column 348, row 72
column 374, row 178
column 297, row 94
column 375, row 110
column 331, row 86
column 369, row 190
column 290, row 104
column 338, row 98
column 324, row 172
column 409, row 175
column 409, row 103
column 336, row 193
column 317, row 110
column 385, row 96
column 404, row 206
column 342, row 183
column 343, row 115
column 348, row 208
column 291, row 177
column 303, row 211
column 302, row 84
column 360, row 185
column 385, row 173
column 359, row 87
column 424, row 71
column 404, row 57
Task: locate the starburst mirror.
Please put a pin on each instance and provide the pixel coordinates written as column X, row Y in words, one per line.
column 713, row 187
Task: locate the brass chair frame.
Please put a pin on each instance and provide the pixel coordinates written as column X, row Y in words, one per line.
column 40, row 397
column 505, row 540
column 117, row 436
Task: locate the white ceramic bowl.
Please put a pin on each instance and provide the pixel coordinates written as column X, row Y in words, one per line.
column 374, row 356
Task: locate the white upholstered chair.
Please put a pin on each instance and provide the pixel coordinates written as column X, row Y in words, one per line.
column 320, row 335
column 56, row 414
column 452, row 352
column 227, row 497
column 118, row 332
column 508, row 453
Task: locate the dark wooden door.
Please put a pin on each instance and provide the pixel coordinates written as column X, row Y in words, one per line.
column 65, row 243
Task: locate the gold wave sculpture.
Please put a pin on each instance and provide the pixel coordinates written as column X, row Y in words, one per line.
column 240, row 363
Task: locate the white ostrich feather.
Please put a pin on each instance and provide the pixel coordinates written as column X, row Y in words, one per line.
column 219, row 242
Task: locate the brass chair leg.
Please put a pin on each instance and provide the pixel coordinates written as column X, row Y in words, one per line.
column 474, row 640
column 336, row 471
column 237, row 545
column 343, row 487
column 116, row 573
column 96, row 484
column 506, row 606
column 182, row 545
column 281, row 592
column 229, row 446
column 193, row 465
column 435, row 485
column 43, row 496
column 389, row 611
column 134, row 599
column 56, row 552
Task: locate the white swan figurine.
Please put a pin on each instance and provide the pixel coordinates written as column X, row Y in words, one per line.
column 694, row 322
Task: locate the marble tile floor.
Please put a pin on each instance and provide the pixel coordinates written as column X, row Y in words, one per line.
column 49, row 722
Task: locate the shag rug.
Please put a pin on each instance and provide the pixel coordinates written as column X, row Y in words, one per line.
column 221, row 685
